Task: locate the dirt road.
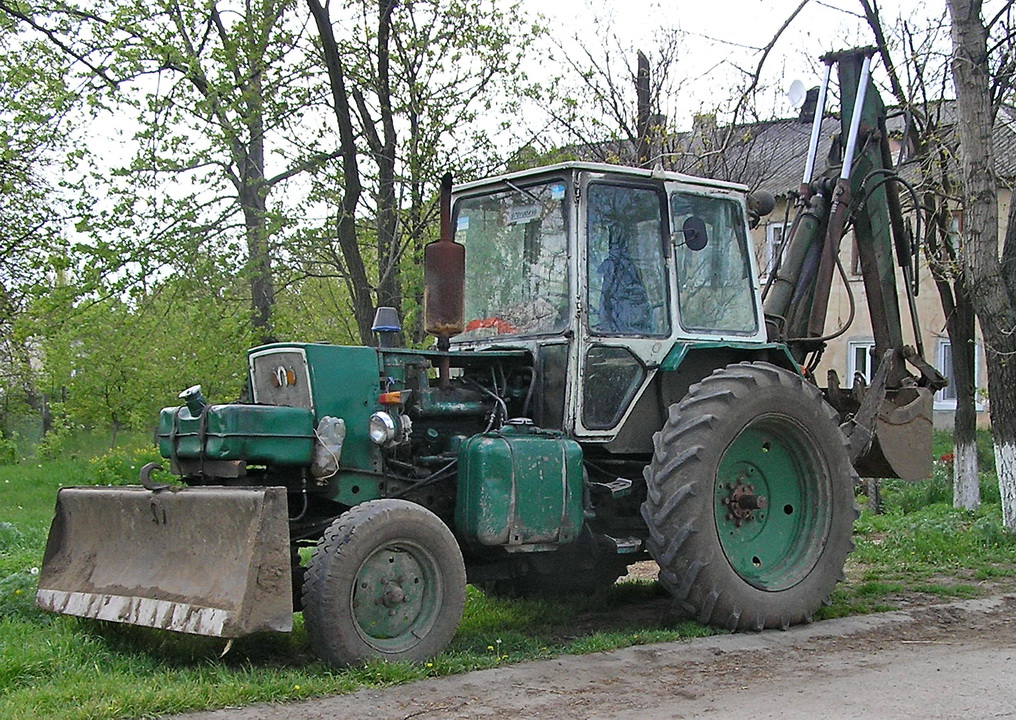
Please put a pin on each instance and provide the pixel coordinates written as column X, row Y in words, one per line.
column 944, row 661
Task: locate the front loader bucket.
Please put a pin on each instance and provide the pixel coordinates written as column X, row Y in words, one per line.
column 901, row 446
column 206, row 560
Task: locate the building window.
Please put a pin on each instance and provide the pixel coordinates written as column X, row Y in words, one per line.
column 859, row 360
column 855, row 258
column 776, row 235
column 945, row 399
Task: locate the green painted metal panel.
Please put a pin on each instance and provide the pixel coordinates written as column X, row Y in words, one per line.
column 680, row 351
column 343, row 382
column 255, row 433
column 352, row 488
column 519, row 487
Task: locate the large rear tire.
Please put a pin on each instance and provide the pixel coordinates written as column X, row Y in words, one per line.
column 385, row 581
column 750, row 501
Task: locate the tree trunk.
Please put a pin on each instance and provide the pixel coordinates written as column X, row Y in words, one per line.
column 960, row 324
column 356, row 282
column 255, row 211
column 1001, row 385
column 1002, row 382
column 990, row 292
column 966, row 482
column 389, row 285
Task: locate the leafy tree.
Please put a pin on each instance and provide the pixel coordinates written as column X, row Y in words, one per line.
column 223, row 106
column 116, row 364
column 215, row 89
column 408, row 86
column 33, row 102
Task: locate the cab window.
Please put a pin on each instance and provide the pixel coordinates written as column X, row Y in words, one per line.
column 627, row 288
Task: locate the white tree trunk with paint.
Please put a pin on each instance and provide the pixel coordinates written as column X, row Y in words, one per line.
column 1005, row 464
column 987, row 273
column 966, row 488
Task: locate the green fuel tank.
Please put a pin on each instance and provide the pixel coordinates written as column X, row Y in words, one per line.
column 519, row 488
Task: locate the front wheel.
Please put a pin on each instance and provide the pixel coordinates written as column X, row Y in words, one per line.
column 385, row 581
column 750, row 499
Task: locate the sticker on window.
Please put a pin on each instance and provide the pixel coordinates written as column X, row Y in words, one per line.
column 523, row 214
column 463, row 223
column 557, row 192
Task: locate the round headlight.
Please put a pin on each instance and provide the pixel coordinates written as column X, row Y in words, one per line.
column 382, row 428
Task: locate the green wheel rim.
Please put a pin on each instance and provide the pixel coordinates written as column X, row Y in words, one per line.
column 397, row 594
column 772, row 497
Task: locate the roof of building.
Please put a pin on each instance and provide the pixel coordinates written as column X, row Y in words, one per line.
column 771, row 154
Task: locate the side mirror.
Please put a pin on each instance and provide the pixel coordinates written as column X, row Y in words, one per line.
column 760, row 204
column 694, row 232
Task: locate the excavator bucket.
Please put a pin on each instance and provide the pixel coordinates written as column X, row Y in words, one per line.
column 203, row 560
column 901, row 446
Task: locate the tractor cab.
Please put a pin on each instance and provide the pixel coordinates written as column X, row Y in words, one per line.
column 605, row 274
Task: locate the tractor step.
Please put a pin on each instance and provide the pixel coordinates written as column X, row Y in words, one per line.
column 615, row 489
column 626, row 545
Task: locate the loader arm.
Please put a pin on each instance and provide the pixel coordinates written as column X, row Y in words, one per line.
column 862, row 193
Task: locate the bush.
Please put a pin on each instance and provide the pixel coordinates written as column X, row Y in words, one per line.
column 907, row 497
column 56, row 444
column 120, row 466
column 8, row 451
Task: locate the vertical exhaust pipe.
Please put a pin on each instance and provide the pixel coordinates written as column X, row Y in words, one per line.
column 444, row 279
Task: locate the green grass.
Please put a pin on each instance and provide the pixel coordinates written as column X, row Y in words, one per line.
column 62, row 667
column 920, row 550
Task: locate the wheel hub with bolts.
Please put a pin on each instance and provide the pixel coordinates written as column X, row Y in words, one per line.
column 770, row 461
column 390, row 593
column 742, row 502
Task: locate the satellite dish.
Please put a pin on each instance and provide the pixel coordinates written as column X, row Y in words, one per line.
column 797, row 93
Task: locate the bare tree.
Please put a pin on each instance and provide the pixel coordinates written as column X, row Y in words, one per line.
column 982, row 65
column 917, row 83
column 610, row 108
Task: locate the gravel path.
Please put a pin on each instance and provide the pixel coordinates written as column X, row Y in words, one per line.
column 941, row 661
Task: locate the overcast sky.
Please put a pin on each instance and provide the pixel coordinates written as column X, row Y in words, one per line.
column 721, row 35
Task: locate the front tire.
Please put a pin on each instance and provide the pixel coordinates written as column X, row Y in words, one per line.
column 385, row 581
column 750, row 501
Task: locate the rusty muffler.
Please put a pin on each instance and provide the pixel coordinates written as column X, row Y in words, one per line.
column 203, row 560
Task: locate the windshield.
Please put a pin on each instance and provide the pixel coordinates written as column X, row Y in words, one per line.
column 516, row 260
column 714, row 281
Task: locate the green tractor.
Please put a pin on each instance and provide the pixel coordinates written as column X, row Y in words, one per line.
column 607, row 387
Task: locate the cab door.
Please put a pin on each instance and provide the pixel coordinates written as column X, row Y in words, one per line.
column 625, row 300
